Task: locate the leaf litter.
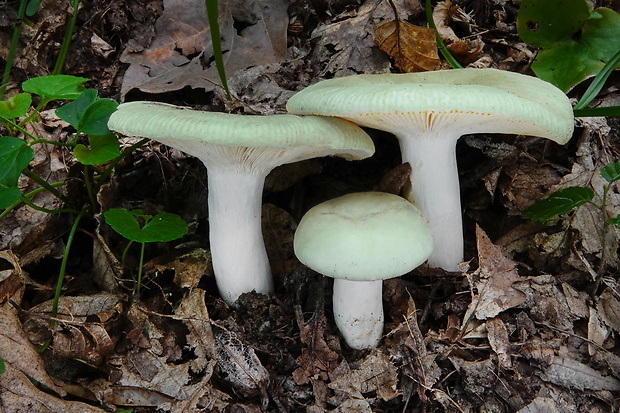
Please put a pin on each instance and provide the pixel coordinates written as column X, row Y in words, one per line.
column 520, row 329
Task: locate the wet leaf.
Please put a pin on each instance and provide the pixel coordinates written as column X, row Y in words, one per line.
column 413, row 48
column 560, row 202
column 317, row 360
column 572, row 374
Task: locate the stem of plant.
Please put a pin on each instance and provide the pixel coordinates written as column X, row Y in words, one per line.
column 21, row 12
column 47, row 211
column 139, row 281
column 89, row 186
column 66, row 41
column 108, row 171
column 63, row 267
column 28, row 196
column 44, row 184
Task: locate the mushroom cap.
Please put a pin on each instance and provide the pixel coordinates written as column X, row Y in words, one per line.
column 189, row 130
column 465, row 100
column 364, row 236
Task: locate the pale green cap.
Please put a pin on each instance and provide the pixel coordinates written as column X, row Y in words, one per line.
column 186, row 129
column 363, row 237
column 463, row 100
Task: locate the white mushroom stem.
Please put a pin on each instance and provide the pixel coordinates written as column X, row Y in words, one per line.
column 435, row 191
column 358, row 312
column 238, row 252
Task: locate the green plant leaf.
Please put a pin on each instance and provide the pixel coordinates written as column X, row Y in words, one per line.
column 95, row 118
column 33, row 7
column 611, row 172
column 73, row 111
column 599, row 81
column 583, row 54
column 15, row 107
column 599, row 111
column 560, row 202
column 162, row 227
column 15, row 155
column 548, row 23
column 8, row 195
column 615, row 221
column 56, row 86
column 216, row 41
column 2, row 366
column 103, row 148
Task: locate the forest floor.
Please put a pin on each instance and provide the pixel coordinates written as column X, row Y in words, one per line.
column 530, row 324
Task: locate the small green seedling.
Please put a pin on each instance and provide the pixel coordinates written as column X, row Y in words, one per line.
column 2, row 366
column 163, row 227
column 569, row 199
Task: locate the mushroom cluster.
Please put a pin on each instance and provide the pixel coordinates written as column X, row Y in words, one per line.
column 238, row 152
column 358, row 239
column 428, row 112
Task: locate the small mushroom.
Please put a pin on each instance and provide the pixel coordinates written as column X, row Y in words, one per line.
column 239, row 151
column 360, row 240
column 428, row 112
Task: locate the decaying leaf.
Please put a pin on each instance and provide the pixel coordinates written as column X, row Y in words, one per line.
column 346, row 47
column 375, row 373
column 253, row 33
column 240, row 364
column 467, row 49
column 499, row 341
column 413, row 48
column 572, row 374
column 496, row 281
column 19, row 394
column 317, row 360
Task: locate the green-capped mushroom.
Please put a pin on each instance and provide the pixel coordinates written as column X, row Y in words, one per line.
column 239, row 151
column 428, row 112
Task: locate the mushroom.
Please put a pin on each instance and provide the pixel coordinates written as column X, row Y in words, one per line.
column 428, row 112
column 238, row 152
column 359, row 240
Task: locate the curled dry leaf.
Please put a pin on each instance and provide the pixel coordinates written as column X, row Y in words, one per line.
column 19, row 394
column 495, row 281
column 413, row 48
column 466, row 50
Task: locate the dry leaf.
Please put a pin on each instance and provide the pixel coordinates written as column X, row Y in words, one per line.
column 496, row 282
column 346, row 47
column 597, row 332
column 375, row 373
column 239, row 363
column 567, row 372
column 19, row 394
column 317, row 360
column 253, row 33
column 413, row 48
column 499, row 341
column 395, row 180
column 466, row 50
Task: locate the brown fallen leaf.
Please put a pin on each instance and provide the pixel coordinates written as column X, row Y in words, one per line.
column 499, row 341
column 466, row 49
column 495, row 282
column 317, row 360
column 253, row 33
column 572, row 374
column 375, row 373
column 19, row 394
column 413, row 48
